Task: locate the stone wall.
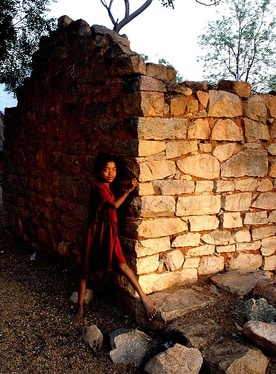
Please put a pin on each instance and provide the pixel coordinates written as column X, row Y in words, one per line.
column 205, row 159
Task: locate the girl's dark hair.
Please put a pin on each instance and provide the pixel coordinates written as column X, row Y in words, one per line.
column 102, row 159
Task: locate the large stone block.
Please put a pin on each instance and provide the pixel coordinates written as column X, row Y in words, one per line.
column 211, row 265
column 265, row 200
column 224, row 104
column 224, row 151
column 251, row 162
column 179, row 148
column 173, row 187
column 245, row 261
column 199, row 129
column 159, row 128
column 147, row 264
column 154, row 206
column 157, row 282
column 255, row 108
column 158, row 227
column 186, row 240
column 198, row 205
column 150, row 147
column 202, row 166
column 202, row 223
column 242, row 89
column 151, row 170
column 255, row 131
column 268, row 246
column 226, row 129
column 237, row 202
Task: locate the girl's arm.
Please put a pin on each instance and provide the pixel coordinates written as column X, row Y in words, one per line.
column 119, row 201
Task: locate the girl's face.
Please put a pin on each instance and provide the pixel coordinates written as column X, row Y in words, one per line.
column 108, row 174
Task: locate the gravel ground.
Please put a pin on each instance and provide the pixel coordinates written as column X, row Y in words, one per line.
column 37, row 330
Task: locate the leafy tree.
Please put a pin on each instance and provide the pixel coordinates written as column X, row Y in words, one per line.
column 118, row 25
column 22, row 23
column 241, row 45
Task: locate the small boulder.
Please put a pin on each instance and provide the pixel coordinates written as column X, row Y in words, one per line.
column 262, row 334
column 93, row 337
column 175, row 360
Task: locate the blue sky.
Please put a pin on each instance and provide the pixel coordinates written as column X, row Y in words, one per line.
column 158, row 32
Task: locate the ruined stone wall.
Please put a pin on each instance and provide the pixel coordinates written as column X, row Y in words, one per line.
column 205, row 159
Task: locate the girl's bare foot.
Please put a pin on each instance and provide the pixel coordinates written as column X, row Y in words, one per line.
column 150, row 309
column 79, row 318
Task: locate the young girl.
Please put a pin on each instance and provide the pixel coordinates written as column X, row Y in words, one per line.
column 103, row 250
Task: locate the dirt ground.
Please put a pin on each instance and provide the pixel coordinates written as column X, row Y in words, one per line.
column 37, row 330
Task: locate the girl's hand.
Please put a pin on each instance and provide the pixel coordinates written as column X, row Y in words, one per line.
column 133, row 184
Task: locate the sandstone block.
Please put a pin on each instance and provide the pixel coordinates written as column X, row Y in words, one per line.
column 272, row 216
column 244, row 247
column 198, row 205
column 218, row 238
column 150, row 147
column 157, row 282
column 255, row 131
column 272, row 169
column 203, row 250
column 242, row 89
column 179, row 148
column 255, row 108
column 147, row 247
column 261, row 333
column 159, row 128
column 202, row 166
column 226, row 129
column 251, row 162
column 225, row 248
column 202, row 223
column 151, row 170
column 144, row 83
column 211, row 265
column 272, row 149
column 203, row 98
column 161, row 72
column 268, row 246
column 173, row 187
column 173, row 260
column 199, row 129
column 186, row 240
column 265, row 185
column 245, row 261
column 147, row 264
column 224, row 104
column 191, row 263
column 237, row 202
column 224, row 186
column 231, row 220
column 263, row 232
column 224, row 151
column 265, row 200
column 242, row 236
column 154, row 206
column 204, row 186
column 247, row 184
column 145, row 189
column 158, row 227
column 256, row 218
column 178, row 105
column 175, row 360
column 270, row 263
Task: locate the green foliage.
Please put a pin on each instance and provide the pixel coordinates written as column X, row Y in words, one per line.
column 241, row 44
column 22, row 23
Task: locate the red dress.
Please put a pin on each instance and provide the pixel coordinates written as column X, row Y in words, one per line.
column 103, row 245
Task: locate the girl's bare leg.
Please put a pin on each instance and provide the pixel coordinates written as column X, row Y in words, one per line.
column 147, row 302
column 81, row 294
